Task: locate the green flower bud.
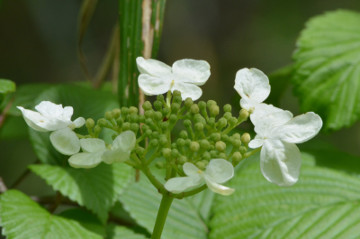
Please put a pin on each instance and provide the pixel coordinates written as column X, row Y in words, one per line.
column 199, row 126
column 187, row 142
column 159, row 165
column 125, row 126
column 133, row 118
column 133, row 110
column 97, row 129
column 148, row 132
column 124, row 110
column 120, row 122
column 175, row 153
column 158, row 105
column 166, row 152
column 215, row 137
column 225, row 138
column 242, row 149
column 180, row 142
column 175, row 107
column 147, row 106
column 210, row 103
column 188, row 102
column 173, row 118
column 202, row 105
column 108, row 115
column 245, row 138
column 236, row 157
column 134, row 127
column 214, row 110
column 206, row 156
column 183, row 134
column 182, row 159
column 155, row 135
column 116, row 113
column 90, row 123
column 243, row 115
column 141, row 118
column 236, row 136
column 154, row 142
column 236, row 142
column 160, row 98
column 158, row 116
column 165, row 111
column 227, row 108
column 201, row 164
column 199, row 118
column 149, row 114
column 164, row 125
column 163, row 140
column 204, row 144
column 194, row 146
column 176, row 93
column 177, row 99
column 102, row 122
column 232, row 121
column 227, row 115
column 222, row 155
column 187, row 123
column 211, row 121
column 194, row 109
column 222, row 122
column 213, row 153
column 144, row 127
column 139, row 150
column 220, row 146
column 149, row 122
column 173, row 146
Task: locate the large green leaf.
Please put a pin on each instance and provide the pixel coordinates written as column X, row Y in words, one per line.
column 327, row 61
column 323, row 204
column 97, row 189
column 22, row 218
column 119, row 232
column 184, row 220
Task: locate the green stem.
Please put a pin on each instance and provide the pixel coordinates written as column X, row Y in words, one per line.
column 161, row 216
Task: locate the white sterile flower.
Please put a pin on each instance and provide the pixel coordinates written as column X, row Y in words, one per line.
column 277, row 133
column 185, row 76
column 95, row 151
column 253, row 87
column 53, row 117
column 217, row 171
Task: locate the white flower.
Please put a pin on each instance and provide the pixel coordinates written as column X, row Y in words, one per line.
column 185, row 76
column 53, row 117
column 217, row 171
column 253, row 87
column 95, row 151
column 277, row 133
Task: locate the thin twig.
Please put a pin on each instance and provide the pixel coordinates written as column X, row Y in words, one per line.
column 56, row 203
column 3, row 187
column 21, row 178
column 4, row 113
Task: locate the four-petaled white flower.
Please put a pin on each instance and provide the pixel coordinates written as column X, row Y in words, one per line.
column 185, row 76
column 95, row 151
column 277, row 133
column 53, row 117
column 217, row 171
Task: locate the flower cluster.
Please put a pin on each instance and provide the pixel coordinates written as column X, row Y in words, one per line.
column 205, row 147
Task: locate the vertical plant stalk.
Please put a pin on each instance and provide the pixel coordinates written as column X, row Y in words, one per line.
column 157, row 22
column 161, row 216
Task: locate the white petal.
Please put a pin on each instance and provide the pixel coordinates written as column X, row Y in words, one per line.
column 152, row 67
column 50, row 110
column 85, row 160
column 191, row 170
column 126, row 141
column 92, row 145
column 263, row 110
column 115, row 156
column 191, row 71
column 65, row 141
column 187, row 90
column 256, row 143
column 252, row 83
column 152, row 85
column 300, row 129
column 219, row 170
column 181, row 184
column 34, row 119
column 79, row 122
column 266, row 125
column 218, row 188
column 280, row 162
column 67, row 112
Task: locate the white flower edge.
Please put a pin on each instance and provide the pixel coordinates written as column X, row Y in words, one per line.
column 185, row 76
column 50, row 117
column 277, row 133
column 217, row 171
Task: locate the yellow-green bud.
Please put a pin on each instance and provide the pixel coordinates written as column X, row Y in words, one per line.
column 194, row 109
column 154, row 142
column 202, row 164
column 232, row 121
column 160, row 98
column 188, row 102
column 220, row 146
column 134, row 127
column 175, row 153
column 245, row 138
column 148, row 132
column 177, row 99
column 211, row 121
column 166, row 152
column 175, row 107
column 165, row 111
column 102, row 122
column 227, row 108
column 194, row 146
column 202, row 105
column 116, row 113
column 213, row 153
column 215, row 136
column 180, row 142
column 236, row 157
column 222, row 155
column 214, row 110
column 199, row 126
column 147, row 106
column 227, row 115
column 183, row 134
column 210, row 103
column 163, row 140
column 158, row 116
column 222, row 122
column 187, row 123
column 97, row 129
column 149, row 114
column 173, row 118
column 204, row 144
column 158, row 104
column 242, row 149
column 108, row 115
column 140, row 150
column 244, row 114
column 90, row 123
column 182, row 159
column 164, row 125
column 133, row 110
column 206, row 156
column 159, row 165
column 124, row 110
column 126, row 126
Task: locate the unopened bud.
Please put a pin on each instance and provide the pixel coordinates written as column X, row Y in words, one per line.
column 245, row 138
column 133, row 110
column 215, row 136
column 134, row 127
column 126, row 126
column 147, row 106
column 183, row 134
column 227, row 115
column 227, row 108
column 194, row 146
column 166, row 152
column 199, row 127
column 243, row 115
column 202, row 164
column 175, row 107
column 220, row 146
column 204, row 144
column 182, row 159
column 158, row 104
column 214, row 110
column 232, row 121
column 222, row 122
column 97, row 129
column 158, row 116
column 188, row 102
column 236, row 157
column 116, row 113
column 194, row 109
column 90, row 123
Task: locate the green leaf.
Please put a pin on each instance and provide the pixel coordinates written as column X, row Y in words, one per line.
column 97, row 189
column 119, row 232
column 22, row 218
column 7, row 86
column 327, row 69
column 86, row 219
column 142, row 201
column 323, row 204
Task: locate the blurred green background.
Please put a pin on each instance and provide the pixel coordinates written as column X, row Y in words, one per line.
column 38, row 44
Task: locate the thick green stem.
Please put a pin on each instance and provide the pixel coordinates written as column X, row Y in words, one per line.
column 161, row 216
